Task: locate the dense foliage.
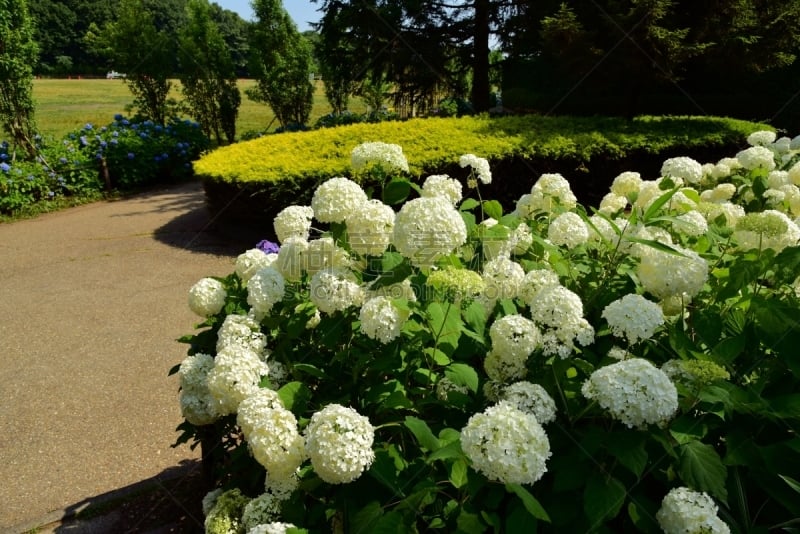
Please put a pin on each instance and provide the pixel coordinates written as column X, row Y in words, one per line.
column 126, row 154
column 248, row 182
column 431, row 362
column 18, row 53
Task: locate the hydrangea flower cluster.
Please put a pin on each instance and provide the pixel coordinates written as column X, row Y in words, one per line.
column 684, row 169
column 634, row 392
column 335, row 199
column 264, row 289
column 339, row 444
column 293, row 221
column 506, row 445
column 532, row 399
column 207, row 297
column 197, row 404
column 441, row 185
column 633, row 317
column 235, row 376
column 428, row 228
column 480, row 166
column 389, row 157
column 381, row 319
column 370, row 228
column 684, row 510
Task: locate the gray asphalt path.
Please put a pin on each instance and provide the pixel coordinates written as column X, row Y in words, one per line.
column 92, row 300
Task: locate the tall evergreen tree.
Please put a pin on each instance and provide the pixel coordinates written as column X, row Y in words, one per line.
column 207, row 74
column 281, row 63
column 18, row 54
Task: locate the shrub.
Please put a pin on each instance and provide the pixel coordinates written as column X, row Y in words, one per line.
column 248, row 182
column 540, row 370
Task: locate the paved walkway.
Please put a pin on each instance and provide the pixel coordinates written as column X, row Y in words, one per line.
column 92, row 300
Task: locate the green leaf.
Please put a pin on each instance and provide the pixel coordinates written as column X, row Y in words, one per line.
column 603, row 498
column 295, row 396
column 365, row 519
column 529, row 501
column 391, row 523
column 795, row 485
column 423, row 433
column 384, row 470
column 658, row 204
column 462, row 375
column 396, row 191
column 730, row 348
column 309, row 369
column 701, row 468
column 469, row 204
column 786, row 406
column 654, row 244
column 449, row 451
column 493, row 209
column 628, row 447
column 446, row 325
column 458, row 473
column 469, row 523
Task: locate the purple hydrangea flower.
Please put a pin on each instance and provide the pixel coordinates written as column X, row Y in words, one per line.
column 268, row 247
column 5, row 167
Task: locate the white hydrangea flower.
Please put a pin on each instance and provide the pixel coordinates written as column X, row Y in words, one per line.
column 335, row 199
column 265, row 289
column 561, row 341
column 731, row 212
column 241, row 330
column 335, row 289
column 612, row 203
column 314, row 321
column 794, row 173
column 569, row 230
column 691, row 223
column 271, row 528
column 207, row 297
column 532, row 399
column 428, row 228
column 445, row 386
column 684, row 168
column 520, row 239
column 292, row 259
column 534, row 281
column 401, row 290
column 664, row 274
column 250, row 414
column 388, row 156
column 236, row 375
column 556, row 306
column 324, row 253
column 524, row 207
column 633, row 391
column 633, row 317
column 293, row 221
column 761, row 138
column 721, row 193
column 756, row 157
column 514, row 336
column 767, row 229
column 502, row 278
column 381, row 319
column 276, row 443
column 649, row 191
column 626, row 184
column 260, row 513
column 504, row 368
column 480, row 166
column 339, row 444
column 777, row 179
column 618, row 353
column 782, row 145
column 370, row 227
column 251, row 261
column 601, row 231
column 197, row 404
column 443, row 186
column 506, row 445
column 687, row 511
column 720, row 171
column 551, row 191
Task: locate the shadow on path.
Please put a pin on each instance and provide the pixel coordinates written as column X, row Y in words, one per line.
column 168, row 502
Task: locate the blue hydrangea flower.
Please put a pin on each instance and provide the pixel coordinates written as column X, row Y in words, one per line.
column 5, row 167
column 268, row 247
column 131, row 155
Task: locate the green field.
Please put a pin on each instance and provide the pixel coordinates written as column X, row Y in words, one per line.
column 64, row 105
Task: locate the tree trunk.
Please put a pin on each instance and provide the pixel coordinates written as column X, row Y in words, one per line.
column 480, row 65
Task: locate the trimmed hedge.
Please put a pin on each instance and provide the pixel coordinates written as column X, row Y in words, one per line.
column 248, row 183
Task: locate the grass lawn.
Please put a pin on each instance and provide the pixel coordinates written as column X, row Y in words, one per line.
column 64, row 105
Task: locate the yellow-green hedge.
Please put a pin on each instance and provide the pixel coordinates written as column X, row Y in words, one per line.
column 253, row 180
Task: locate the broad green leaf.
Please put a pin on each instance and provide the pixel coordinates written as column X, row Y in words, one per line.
column 366, row 518
column 449, row 451
column 391, row 523
column 295, row 396
column 730, row 348
column 468, row 204
column 423, row 433
column 309, row 369
column 384, row 470
column 396, row 191
column 462, row 375
column 701, row 468
column 529, row 501
column 469, row 523
column 628, row 447
column 786, row 406
column 658, row 204
column 446, row 325
column 458, row 473
column 603, row 498
column 493, row 209
column 475, row 317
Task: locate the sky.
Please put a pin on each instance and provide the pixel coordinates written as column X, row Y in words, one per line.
column 302, row 11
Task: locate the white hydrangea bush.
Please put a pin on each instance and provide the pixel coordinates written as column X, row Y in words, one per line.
column 444, row 362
